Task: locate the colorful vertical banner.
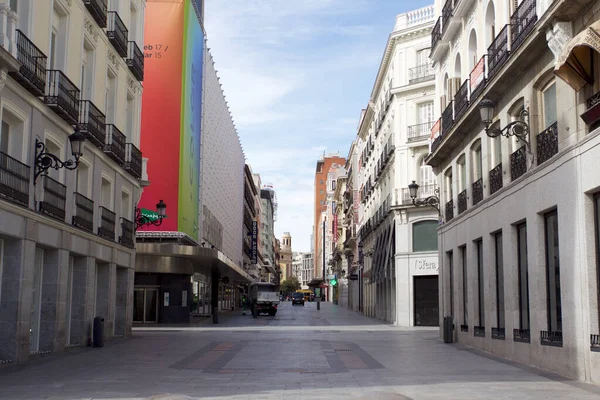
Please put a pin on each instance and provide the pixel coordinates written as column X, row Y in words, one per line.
column 477, row 75
column 335, row 228
column 254, row 246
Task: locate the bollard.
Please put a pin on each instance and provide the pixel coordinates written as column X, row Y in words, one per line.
column 215, row 313
column 318, row 305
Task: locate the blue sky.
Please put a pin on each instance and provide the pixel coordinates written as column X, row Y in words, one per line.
column 296, row 74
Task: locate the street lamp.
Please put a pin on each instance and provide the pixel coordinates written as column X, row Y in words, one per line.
column 147, row 220
column 519, row 128
column 432, row 201
column 45, row 160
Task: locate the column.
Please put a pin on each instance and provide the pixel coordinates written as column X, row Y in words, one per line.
column 129, row 306
column 121, row 294
column 109, row 321
column 79, row 291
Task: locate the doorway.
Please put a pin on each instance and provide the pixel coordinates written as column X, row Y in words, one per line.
column 426, row 300
column 145, row 305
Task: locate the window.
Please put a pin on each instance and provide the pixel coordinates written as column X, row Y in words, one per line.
column 448, row 185
column 476, row 161
column 82, row 176
column 425, row 236
column 333, row 184
column 553, row 272
column 597, row 223
column 58, row 39
column 497, row 147
column 4, row 137
column 523, row 277
column 109, row 101
column 321, row 192
column 126, row 205
column 480, row 284
column 87, row 71
column 549, row 100
column 427, row 178
column 133, row 23
column 56, row 150
column 449, row 256
column 499, row 280
column 130, row 111
column 106, row 194
column 425, row 112
column 463, row 257
column 322, row 182
column 462, row 171
column 52, row 54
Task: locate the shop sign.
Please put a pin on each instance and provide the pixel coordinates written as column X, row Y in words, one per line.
column 254, row 244
column 424, row 266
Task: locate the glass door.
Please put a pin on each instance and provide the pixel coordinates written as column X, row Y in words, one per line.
column 138, row 305
column 145, row 305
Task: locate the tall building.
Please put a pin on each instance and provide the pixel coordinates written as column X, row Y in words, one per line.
column 267, row 232
column 190, row 263
column 399, row 240
column 285, row 261
column 514, row 150
column 251, row 226
column 350, row 220
column 323, row 166
column 297, row 265
column 308, row 269
column 66, row 211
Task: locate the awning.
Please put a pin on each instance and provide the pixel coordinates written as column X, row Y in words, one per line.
column 574, row 65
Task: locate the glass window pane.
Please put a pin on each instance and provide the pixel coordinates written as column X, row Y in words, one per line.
column 425, row 236
column 523, row 278
column 550, row 105
column 499, row 281
column 553, row 273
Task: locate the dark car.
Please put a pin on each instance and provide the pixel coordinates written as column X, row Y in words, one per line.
column 297, row 298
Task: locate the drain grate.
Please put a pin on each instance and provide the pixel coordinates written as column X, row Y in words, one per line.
column 343, row 350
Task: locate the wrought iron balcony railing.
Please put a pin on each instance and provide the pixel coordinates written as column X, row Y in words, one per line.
column 424, row 192
column 496, row 182
column 135, row 60
column 462, row 202
column 479, row 331
column 521, row 335
column 448, row 118
column 32, row 74
column 461, row 100
column 498, row 52
column 554, row 338
column 477, row 79
column 98, row 9
column 547, row 143
column 419, row 132
column 449, row 210
column 106, row 228
column 115, row 144
column 83, row 217
column 436, row 33
column 518, row 163
column 92, row 123
column 595, row 342
column 117, row 33
column 133, row 160
column 421, row 73
column 127, row 237
column 477, row 188
column 55, row 197
column 498, row 333
column 447, row 11
column 522, row 22
column 14, row 180
column 62, row 96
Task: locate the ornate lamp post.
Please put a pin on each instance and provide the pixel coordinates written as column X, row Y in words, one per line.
column 45, row 160
column 432, row 201
column 143, row 220
column 519, row 128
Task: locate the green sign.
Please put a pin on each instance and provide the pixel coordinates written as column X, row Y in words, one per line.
column 149, row 215
column 333, row 282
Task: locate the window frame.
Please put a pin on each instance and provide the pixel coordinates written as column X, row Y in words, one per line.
column 465, row 283
column 480, row 282
column 523, row 270
column 543, row 90
column 499, row 269
column 556, row 288
column 423, row 223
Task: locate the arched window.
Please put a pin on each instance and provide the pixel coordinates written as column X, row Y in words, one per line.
column 457, row 72
column 472, row 50
column 490, row 24
column 462, row 173
column 476, row 161
column 424, row 236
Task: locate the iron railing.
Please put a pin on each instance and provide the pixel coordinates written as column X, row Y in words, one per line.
column 547, row 143
column 498, row 52
column 479, row 331
column 496, row 182
column 117, row 33
column 462, row 202
column 135, row 60
column 92, row 122
column 127, row 233
column 83, row 217
column 115, row 144
column 106, row 228
column 477, row 79
column 521, row 335
column 447, row 11
column 55, row 198
column 133, row 160
column 595, row 342
column 498, row 333
column 62, row 96
column 449, row 210
column 436, row 33
column 477, row 188
column 421, row 73
column 518, row 163
column 461, row 100
column 14, row 180
column 448, row 118
column 522, row 22
column 419, row 132
column 98, row 9
column 551, row 338
column 32, row 73
column 424, row 192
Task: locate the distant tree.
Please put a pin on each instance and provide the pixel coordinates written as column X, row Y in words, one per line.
column 290, row 285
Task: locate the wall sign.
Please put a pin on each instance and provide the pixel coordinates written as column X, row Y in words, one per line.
column 424, row 266
column 254, row 244
column 166, row 302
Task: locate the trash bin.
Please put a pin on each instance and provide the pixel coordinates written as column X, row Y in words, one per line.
column 448, row 331
column 98, row 332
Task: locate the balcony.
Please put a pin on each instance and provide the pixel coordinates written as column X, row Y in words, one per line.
column 449, row 210
column 83, row 217
column 92, row 123
column 496, row 182
column 477, row 188
column 462, row 202
column 98, row 9
column 32, row 73
column 547, row 144
column 595, row 342
column 424, row 192
column 117, row 33
column 521, row 335
column 522, row 22
column 436, row 33
column 518, row 163
column 498, row 333
column 592, row 115
column 421, row 73
column 447, row 14
column 115, row 144
column 133, row 160
column 477, row 80
column 14, row 180
column 554, row 338
column 106, row 229
column 447, row 118
column 498, row 52
column 479, row 331
column 135, row 60
column 55, row 196
column 461, row 100
column 419, row 132
column 62, row 96
column 127, row 237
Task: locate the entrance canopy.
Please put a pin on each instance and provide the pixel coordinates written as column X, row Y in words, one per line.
column 575, row 63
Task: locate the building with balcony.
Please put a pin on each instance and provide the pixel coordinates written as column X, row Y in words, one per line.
column 67, row 218
column 250, row 229
column 520, row 206
column 267, row 233
column 398, row 240
column 307, row 270
column 339, row 261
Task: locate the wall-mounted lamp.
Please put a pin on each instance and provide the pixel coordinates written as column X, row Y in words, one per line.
column 432, row 201
column 45, row 160
column 519, row 128
column 146, row 220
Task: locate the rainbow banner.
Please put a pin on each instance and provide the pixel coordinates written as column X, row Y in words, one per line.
column 172, row 111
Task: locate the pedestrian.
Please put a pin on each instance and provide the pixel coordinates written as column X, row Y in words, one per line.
column 244, row 302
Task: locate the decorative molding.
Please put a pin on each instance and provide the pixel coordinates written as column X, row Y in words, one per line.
column 114, row 59
column 472, row 16
column 90, row 29
column 3, row 76
column 558, row 36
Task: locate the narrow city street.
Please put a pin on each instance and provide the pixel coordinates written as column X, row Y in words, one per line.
column 301, row 353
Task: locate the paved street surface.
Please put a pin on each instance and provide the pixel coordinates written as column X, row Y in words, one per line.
column 301, row 353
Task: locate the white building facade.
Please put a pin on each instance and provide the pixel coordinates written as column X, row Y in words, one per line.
column 519, row 242
column 397, row 240
column 67, row 234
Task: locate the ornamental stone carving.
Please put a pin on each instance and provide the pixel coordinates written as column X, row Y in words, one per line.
column 114, row 59
column 3, row 76
column 558, row 36
column 90, row 29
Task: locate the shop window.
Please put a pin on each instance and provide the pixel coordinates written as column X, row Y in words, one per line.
column 549, row 101
column 424, row 236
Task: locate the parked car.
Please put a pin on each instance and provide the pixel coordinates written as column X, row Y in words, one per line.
column 298, row 298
